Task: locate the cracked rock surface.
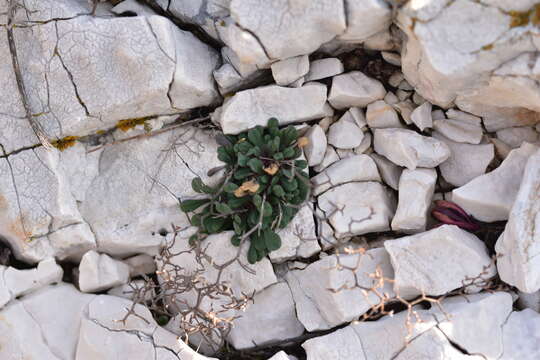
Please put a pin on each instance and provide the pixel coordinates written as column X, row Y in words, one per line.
column 420, row 126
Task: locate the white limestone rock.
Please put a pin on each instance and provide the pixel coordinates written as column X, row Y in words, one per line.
column 416, row 189
column 438, row 114
column 390, row 172
column 100, row 272
column 436, row 261
column 136, row 193
column 132, row 6
column 357, row 208
column 459, row 131
column 282, row 355
column 408, row 148
column 353, row 168
column 316, row 147
column 516, row 136
column 392, row 58
column 290, row 70
column 141, row 265
column 354, row 89
column 298, row 239
column 518, row 246
column 381, row 115
column 345, row 133
column 365, row 19
column 469, row 53
column 528, row 301
column 44, row 324
column 330, row 157
column 490, row 197
column 421, row 116
column 462, row 116
column 283, row 29
column 381, row 41
column 324, row 68
column 249, row 108
column 521, row 335
column 131, row 291
column 405, row 109
column 39, row 215
column 274, row 307
column 361, row 340
column 22, row 282
column 320, row 308
column 466, row 161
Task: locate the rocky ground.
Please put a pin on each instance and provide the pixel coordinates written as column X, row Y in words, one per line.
column 109, row 109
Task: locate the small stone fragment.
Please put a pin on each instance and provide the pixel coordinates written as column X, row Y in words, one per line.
column 324, row 68
column 391, row 58
column 515, row 136
column 141, row 265
column 421, row 116
column 290, row 70
column 490, row 197
column 274, row 307
column 357, row 208
column 459, row 131
column 521, row 336
column 100, row 272
column 354, row 89
column 316, row 146
column 381, row 115
column 352, row 168
column 408, row 148
column 416, row 189
column 330, row 157
column 466, row 161
column 345, row 133
column 22, row 282
column 389, row 171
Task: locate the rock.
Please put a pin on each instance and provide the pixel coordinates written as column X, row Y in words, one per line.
column 462, row 116
column 365, row 19
column 365, row 145
column 139, row 207
column 282, row 30
column 521, row 335
column 354, row 89
column 32, row 330
column 528, row 301
column 516, row 136
column 22, row 282
column 320, row 308
column 132, row 6
column 518, row 245
column 274, row 307
column 459, row 131
column 381, row 41
column 316, row 147
column 298, row 239
column 141, row 265
column 330, row 157
column 407, row 148
column 404, row 95
column 416, row 189
column 360, row 340
column 421, row 116
column 481, row 62
column 391, row 98
column 282, row 355
column 133, row 290
column 395, row 79
column 381, row 115
column 390, row 173
column 438, row 115
column 405, row 108
column 391, row 58
column 249, row 108
column 345, row 133
column 357, row 208
column 289, row 70
column 352, row 168
column 466, row 161
column 418, row 99
column 460, row 322
column 40, row 224
column 437, row 261
column 490, row 197
column 324, row 68
column 100, row 272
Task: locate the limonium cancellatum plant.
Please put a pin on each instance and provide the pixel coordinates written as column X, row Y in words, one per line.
column 263, row 188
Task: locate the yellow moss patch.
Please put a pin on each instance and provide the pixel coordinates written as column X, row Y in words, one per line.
column 487, row 47
column 519, row 18
column 129, row 124
column 64, row 143
column 536, row 15
column 100, row 132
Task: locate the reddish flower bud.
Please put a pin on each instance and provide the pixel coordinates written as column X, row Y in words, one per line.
column 450, row 213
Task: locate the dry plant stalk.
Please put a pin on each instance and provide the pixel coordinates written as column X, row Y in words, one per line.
column 184, row 294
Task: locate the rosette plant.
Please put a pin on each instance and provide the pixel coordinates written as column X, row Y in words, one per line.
column 263, row 187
